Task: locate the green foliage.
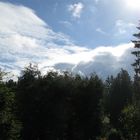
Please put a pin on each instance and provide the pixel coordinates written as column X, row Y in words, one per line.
column 130, row 120
column 65, row 106
column 114, row 135
column 59, row 106
column 9, row 125
column 120, row 95
column 2, row 74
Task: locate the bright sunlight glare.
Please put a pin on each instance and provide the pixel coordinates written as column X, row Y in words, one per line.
column 133, row 4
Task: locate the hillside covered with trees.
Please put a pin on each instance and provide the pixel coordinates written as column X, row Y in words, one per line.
column 65, row 106
column 86, row 85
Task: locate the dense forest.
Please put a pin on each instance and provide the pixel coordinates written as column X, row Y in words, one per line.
column 63, row 106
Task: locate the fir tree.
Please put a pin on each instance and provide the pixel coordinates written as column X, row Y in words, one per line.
column 136, row 52
column 136, row 65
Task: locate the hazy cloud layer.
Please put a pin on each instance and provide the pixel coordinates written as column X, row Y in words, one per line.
column 25, row 38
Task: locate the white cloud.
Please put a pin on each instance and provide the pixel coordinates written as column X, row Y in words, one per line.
column 107, row 64
column 104, row 61
column 123, row 27
column 76, row 9
column 25, row 38
column 66, row 24
column 101, row 31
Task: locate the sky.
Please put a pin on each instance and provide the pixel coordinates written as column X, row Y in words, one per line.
column 80, row 36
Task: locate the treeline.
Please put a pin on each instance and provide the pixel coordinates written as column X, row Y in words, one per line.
column 69, row 107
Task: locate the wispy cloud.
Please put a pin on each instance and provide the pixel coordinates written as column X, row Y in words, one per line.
column 101, row 31
column 76, row 9
column 123, row 27
column 66, row 24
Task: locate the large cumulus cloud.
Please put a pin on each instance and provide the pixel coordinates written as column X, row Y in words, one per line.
column 104, row 64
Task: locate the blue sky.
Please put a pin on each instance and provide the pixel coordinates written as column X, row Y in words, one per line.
column 95, row 25
column 77, row 35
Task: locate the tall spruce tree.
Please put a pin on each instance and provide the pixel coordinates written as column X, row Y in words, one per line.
column 136, row 64
column 136, row 52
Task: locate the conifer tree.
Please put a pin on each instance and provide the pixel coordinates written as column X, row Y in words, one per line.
column 136, row 52
column 136, row 64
